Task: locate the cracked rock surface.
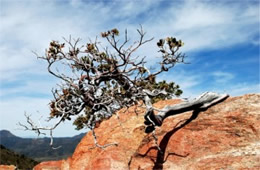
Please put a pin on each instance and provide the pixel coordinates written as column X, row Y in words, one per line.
column 226, row 136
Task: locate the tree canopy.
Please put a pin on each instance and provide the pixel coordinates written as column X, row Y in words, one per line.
column 96, row 81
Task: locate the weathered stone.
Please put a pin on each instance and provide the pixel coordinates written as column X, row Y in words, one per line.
column 7, row 167
column 52, row 165
column 226, row 136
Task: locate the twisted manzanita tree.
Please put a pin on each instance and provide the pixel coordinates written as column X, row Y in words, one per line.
column 101, row 80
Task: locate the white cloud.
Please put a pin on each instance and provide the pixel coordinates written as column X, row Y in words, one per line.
column 200, row 25
column 188, row 82
column 30, row 25
column 26, row 27
column 12, row 112
column 222, row 77
column 132, row 9
column 201, row 16
column 207, row 25
column 240, row 89
column 29, row 87
column 195, row 83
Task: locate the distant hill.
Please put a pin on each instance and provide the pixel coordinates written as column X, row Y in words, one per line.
column 39, row 149
column 8, row 157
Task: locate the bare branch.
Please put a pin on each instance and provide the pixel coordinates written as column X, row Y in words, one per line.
column 98, row 81
column 156, row 141
column 100, row 146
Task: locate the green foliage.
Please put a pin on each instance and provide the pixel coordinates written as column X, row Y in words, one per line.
column 8, row 157
column 170, row 88
column 107, row 76
column 81, row 121
column 113, row 32
column 39, row 149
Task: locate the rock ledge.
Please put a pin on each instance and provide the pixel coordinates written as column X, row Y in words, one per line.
column 225, row 136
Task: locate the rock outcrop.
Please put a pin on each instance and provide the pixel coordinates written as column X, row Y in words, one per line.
column 7, row 167
column 226, row 136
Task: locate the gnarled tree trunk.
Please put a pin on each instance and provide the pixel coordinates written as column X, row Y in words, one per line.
column 201, row 103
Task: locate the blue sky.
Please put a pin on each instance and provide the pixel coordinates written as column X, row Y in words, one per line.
column 221, row 41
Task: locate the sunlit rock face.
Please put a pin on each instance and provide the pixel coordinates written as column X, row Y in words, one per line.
column 7, row 167
column 226, row 136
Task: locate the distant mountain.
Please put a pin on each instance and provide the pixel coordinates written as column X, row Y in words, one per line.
column 6, row 134
column 39, row 149
column 8, row 157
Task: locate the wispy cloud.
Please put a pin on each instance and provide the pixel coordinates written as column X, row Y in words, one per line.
column 12, row 112
column 222, row 77
column 12, row 89
column 238, row 89
column 243, row 88
column 208, row 25
column 201, row 24
column 188, row 81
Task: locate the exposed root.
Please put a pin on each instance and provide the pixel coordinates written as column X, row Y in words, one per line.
column 156, row 141
column 98, row 145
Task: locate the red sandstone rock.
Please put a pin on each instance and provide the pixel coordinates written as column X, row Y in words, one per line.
column 226, row 136
column 7, row 167
column 52, row 165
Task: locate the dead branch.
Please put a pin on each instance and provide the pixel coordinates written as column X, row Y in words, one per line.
column 98, row 81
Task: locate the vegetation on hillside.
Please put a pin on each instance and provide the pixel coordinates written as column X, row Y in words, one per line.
column 8, row 157
column 39, row 149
